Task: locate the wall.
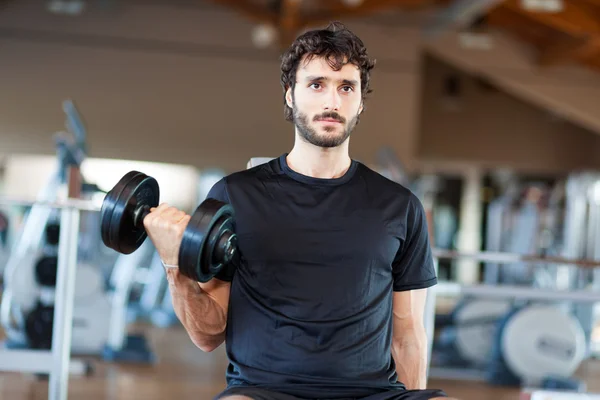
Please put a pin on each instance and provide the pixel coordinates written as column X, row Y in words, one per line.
column 486, row 126
column 181, row 82
column 178, row 82
column 569, row 91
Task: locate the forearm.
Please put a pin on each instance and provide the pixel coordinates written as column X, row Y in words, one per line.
column 201, row 316
column 410, row 354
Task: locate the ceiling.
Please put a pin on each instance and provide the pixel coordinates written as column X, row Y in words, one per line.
column 560, row 31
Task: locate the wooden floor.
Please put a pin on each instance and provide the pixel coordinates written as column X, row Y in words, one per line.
column 184, row 372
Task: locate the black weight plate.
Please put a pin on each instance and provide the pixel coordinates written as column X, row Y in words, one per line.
column 109, row 204
column 141, row 191
column 45, row 271
column 38, row 327
column 213, row 255
column 194, row 240
column 134, row 190
column 200, row 237
column 53, row 233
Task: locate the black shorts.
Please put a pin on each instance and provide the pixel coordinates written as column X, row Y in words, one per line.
column 262, row 394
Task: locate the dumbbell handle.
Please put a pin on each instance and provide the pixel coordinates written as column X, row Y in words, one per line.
column 139, row 214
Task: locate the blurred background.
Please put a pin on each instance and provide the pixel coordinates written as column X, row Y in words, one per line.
column 489, row 110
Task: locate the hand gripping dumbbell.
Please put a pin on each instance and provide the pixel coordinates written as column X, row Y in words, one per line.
column 209, row 243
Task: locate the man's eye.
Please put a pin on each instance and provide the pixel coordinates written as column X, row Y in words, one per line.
column 315, row 85
column 348, row 88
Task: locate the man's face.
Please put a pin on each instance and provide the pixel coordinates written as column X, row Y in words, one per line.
column 326, row 103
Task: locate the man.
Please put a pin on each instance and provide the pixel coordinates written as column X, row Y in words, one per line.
column 327, row 299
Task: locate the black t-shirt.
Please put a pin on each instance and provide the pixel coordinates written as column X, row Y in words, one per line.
column 310, row 308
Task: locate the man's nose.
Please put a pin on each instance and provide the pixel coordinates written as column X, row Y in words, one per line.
column 332, row 101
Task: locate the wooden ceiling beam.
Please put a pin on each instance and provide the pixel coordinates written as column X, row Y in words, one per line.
column 506, row 18
column 575, row 19
column 336, row 9
column 516, row 23
column 289, row 21
column 595, row 3
column 579, row 21
column 458, row 14
column 578, row 50
column 593, row 63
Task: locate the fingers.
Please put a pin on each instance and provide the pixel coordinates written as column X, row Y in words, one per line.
column 185, row 219
column 165, row 213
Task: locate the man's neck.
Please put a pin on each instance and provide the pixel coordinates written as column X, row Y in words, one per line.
column 318, row 162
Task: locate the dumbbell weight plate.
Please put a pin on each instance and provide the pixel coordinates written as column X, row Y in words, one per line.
column 45, row 271
column 209, row 241
column 118, row 227
column 38, row 327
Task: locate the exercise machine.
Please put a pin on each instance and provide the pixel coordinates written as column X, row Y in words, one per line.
column 537, row 343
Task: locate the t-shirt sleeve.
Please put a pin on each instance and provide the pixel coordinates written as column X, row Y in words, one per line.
column 413, row 266
column 219, row 191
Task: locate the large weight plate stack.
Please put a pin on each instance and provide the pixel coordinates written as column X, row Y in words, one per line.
column 121, row 225
column 209, row 242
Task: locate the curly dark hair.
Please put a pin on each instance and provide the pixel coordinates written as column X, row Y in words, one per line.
column 337, row 44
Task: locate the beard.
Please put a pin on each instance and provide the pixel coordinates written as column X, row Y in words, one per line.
column 310, row 135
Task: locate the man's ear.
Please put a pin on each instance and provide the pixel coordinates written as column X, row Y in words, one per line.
column 288, row 97
column 361, row 108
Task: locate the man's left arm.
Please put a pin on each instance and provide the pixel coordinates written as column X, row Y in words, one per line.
column 409, row 340
column 413, row 272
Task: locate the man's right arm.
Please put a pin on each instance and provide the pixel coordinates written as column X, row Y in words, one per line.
column 201, row 307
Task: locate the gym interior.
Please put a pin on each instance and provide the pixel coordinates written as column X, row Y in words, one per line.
column 486, row 110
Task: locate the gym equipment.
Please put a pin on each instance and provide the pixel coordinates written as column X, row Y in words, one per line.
column 542, row 340
column 538, row 344
column 4, row 226
column 467, row 337
column 557, row 395
column 209, row 243
column 390, row 166
column 580, row 240
column 256, row 161
column 45, row 270
column 524, row 218
column 155, row 304
column 38, row 327
column 92, row 312
column 98, row 315
column 57, row 362
column 124, row 209
column 4, row 229
column 514, row 225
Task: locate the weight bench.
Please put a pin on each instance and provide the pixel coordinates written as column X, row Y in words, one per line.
column 256, row 161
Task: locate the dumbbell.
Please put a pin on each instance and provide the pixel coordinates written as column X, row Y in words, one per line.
column 209, row 242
